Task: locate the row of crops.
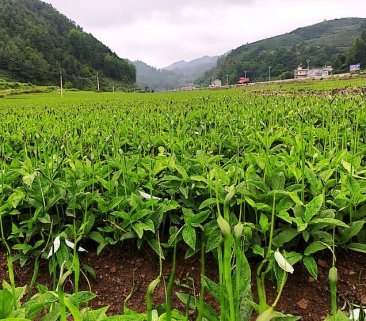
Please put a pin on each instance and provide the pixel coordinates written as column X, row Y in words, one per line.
column 230, row 173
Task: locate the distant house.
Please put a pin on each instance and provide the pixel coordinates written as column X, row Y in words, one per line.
column 243, row 80
column 354, row 69
column 190, row 86
column 301, row 73
column 216, row 83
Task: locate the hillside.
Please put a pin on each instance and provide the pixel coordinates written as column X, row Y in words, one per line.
column 37, row 42
column 150, row 78
column 174, row 76
column 194, row 68
column 321, row 43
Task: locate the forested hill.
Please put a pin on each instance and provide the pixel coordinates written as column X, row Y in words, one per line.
column 36, row 42
column 331, row 42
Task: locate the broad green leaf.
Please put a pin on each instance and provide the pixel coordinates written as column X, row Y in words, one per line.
column 311, row 266
column 94, row 315
column 328, row 221
column 16, row 198
column 213, row 240
column 284, row 236
column 196, row 219
column 189, row 236
column 263, row 222
column 213, row 288
column 278, row 181
column 311, row 177
column 313, row 207
column 357, row 247
column 73, row 309
column 244, row 289
column 6, row 303
column 284, row 204
column 208, row 202
column 257, row 249
column 353, row 230
column 54, row 315
column 295, row 198
column 28, row 179
column 301, row 225
column 293, row 257
column 314, row 247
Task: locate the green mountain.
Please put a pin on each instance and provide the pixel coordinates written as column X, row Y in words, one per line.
column 37, row 42
column 194, row 68
column 325, row 43
column 150, row 78
column 174, row 76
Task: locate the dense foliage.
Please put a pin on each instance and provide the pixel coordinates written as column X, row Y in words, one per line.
column 275, row 176
column 356, row 54
column 125, row 167
column 37, row 42
column 325, row 43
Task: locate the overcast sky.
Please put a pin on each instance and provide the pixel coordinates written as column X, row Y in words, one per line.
column 160, row 32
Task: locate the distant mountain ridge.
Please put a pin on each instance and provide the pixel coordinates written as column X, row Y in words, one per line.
column 205, row 60
column 321, row 44
column 150, row 78
column 193, row 69
column 173, row 76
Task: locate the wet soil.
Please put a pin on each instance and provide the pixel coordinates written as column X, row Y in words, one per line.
column 122, row 271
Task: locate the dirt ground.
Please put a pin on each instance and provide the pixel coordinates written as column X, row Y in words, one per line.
column 120, row 271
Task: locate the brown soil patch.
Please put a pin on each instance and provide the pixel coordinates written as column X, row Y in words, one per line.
column 119, row 271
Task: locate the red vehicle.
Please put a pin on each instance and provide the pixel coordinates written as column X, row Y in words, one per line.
column 243, row 80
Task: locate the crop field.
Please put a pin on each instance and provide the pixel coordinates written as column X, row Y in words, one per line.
column 279, row 180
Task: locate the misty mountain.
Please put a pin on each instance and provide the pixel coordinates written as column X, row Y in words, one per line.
column 150, row 78
column 194, row 68
column 174, row 76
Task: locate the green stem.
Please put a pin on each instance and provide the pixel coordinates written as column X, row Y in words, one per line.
column 34, row 277
column 169, row 290
column 202, row 291
column 228, row 277
column 238, row 268
column 283, row 282
column 272, row 226
column 221, row 279
column 262, row 297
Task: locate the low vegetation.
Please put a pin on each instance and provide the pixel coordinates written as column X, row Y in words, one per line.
column 240, row 175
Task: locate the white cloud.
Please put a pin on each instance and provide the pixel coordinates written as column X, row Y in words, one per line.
column 161, row 32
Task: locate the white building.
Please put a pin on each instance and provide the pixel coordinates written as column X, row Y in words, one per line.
column 301, row 72
column 215, row 83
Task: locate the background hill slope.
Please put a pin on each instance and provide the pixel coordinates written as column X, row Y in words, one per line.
column 37, row 42
column 323, row 44
column 173, row 76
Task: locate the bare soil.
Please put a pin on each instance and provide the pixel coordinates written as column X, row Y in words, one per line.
column 120, row 271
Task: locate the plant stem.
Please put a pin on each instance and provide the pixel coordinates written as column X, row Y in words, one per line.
column 169, row 289
column 202, row 291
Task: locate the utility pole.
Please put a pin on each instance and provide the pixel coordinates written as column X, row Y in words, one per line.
column 98, row 81
column 308, row 62
column 245, row 73
column 269, row 73
column 61, row 85
column 113, row 87
column 227, row 79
